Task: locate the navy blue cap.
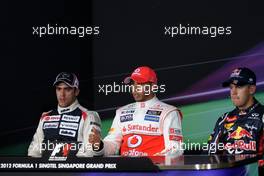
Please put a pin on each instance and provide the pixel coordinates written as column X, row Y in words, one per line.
column 68, row 78
column 241, row 76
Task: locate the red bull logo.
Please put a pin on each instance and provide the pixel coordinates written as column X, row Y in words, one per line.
column 240, row 144
column 239, row 133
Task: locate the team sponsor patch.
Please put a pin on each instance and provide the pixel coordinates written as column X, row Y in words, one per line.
column 51, row 125
column 175, row 131
column 131, row 105
column 70, row 118
column 65, row 110
column 151, row 118
column 175, row 138
column 228, row 125
column 53, row 118
column 154, row 112
column 240, row 133
column 112, row 130
column 210, row 138
column 95, row 123
column 231, row 119
column 126, row 118
column 65, row 132
column 255, row 116
column 141, row 128
column 128, row 111
column 67, row 125
column 239, row 146
column 251, row 127
column 134, row 141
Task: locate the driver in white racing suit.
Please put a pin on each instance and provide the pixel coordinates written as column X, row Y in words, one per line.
column 147, row 127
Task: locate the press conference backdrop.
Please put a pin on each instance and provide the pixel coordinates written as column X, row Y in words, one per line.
column 132, row 34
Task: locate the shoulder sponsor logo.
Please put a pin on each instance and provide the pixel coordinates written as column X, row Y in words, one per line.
column 65, row 132
column 126, row 118
column 51, row 125
column 151, row 118
column 158, row 107
column 154, row 112
column 67, row 125
column 71, row 118
column 52, row 118
column 175, row 131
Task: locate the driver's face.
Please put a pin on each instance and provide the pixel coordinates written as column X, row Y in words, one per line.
column 241, row 95
column 141, row 92
column 66, row 95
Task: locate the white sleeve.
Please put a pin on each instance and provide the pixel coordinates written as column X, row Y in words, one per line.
column 112, row 141
column 35, row 146
column 92, row 121
column 172, row 133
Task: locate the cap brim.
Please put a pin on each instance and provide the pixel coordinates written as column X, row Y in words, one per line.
column 226, row 83
column 137, row 79
column 240, row 82
column 127, row 80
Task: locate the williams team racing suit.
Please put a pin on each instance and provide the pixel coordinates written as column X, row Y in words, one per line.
column 70, row 124
column 145, row 129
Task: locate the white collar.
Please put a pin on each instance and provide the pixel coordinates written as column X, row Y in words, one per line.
column 147, row 103
column 70, row 108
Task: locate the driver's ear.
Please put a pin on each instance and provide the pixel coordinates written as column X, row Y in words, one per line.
column 76, row 92
column 252, row 89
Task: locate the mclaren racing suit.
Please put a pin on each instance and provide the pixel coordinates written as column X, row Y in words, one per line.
column 145, row 129
column 239, row 132
column 70, row 124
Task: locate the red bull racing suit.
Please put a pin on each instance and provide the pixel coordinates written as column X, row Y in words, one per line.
column 145, row 129
column 239, row 132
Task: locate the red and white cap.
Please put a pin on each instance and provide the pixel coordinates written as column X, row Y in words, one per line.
column 142, row 75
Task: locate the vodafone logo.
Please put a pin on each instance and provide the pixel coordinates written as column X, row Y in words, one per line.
column 137, row 72
column 124, row 129
column 134, row 141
